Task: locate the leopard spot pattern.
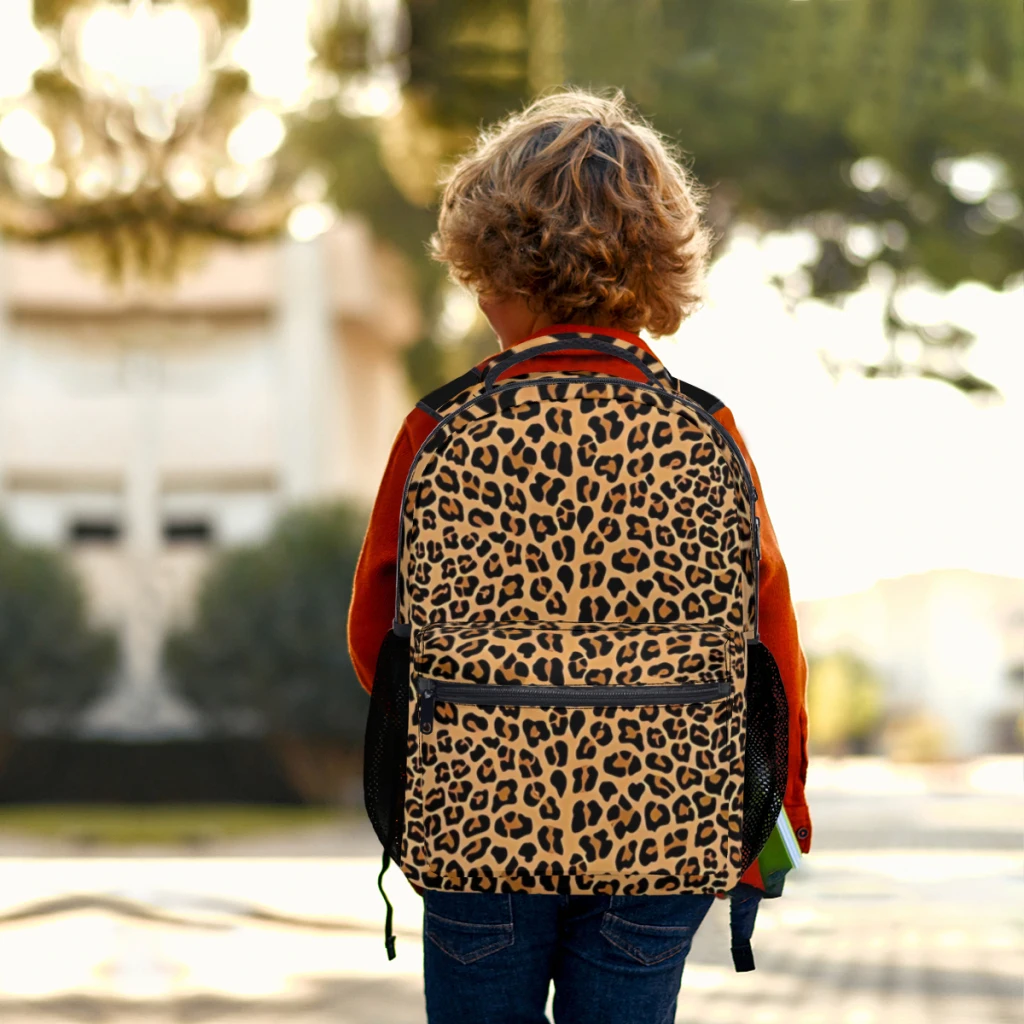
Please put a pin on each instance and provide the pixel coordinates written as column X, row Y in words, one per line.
column 569, row 533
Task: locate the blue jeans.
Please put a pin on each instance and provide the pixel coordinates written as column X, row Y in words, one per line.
column 488, row 959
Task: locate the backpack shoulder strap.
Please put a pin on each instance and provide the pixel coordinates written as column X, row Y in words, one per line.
column 707, row 401
column 441, row 396
column 446, row 392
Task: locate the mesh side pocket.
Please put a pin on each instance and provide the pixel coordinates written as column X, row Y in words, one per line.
column 385, row 748
column 767, row 750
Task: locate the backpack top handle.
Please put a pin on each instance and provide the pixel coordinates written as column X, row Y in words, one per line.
column 654, row 372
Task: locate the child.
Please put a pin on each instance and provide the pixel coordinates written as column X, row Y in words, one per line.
column 572, row 216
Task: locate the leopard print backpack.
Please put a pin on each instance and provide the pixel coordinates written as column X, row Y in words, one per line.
column 573, row 697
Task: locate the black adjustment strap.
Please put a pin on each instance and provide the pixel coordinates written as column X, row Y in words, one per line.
column 389, row 931
column 446, row 392
column 743, row 958
column 743, row 904
column 707, row 401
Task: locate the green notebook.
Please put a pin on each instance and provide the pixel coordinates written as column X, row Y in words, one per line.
column 780, row 855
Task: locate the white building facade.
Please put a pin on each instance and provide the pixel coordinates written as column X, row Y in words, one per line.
column 142, row 430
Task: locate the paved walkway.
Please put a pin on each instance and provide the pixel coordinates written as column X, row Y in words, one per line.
column 909, row 912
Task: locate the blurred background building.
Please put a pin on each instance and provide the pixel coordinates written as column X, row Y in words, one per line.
column 144, row 428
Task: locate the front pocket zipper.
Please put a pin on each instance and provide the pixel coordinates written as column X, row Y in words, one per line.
column 432, row 690
column 595, row 750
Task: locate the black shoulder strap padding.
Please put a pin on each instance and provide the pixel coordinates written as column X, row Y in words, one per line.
column 704, row 399
column 432, row 402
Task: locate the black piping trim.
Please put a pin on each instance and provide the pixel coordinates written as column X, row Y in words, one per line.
column 432, row 402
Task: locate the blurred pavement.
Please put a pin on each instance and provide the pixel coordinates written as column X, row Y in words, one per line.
column 907, row 912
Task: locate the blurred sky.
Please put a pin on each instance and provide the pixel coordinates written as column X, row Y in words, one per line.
column 864, row 479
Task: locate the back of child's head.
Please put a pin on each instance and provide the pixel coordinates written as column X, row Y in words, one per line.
column 578, row 206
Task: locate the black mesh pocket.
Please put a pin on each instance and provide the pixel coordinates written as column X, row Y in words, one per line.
column 385, row 747
column 767, row 751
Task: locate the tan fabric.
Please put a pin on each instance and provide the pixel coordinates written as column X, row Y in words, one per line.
column 513, row 796
column 553, row 509
column 574, row 654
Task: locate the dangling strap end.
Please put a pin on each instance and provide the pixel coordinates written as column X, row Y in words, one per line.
column 742, row 915
column 743, row 957
column 389, row 916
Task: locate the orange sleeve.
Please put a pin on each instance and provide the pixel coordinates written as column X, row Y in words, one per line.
column 373, row 591
column 779, row 633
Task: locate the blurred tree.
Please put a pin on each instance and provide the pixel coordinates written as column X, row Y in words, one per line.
column 915, row 734
column 53, row 664
column 50, row 13
column 467, row 63
column 844, row 703
column 893, row 130
column 267, row 644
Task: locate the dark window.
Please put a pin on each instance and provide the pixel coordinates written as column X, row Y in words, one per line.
column 188, row 531
column 94, row 531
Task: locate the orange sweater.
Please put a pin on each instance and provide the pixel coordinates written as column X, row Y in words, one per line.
column 373, row 595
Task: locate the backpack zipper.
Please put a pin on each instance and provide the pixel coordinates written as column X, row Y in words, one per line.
column 485, row 695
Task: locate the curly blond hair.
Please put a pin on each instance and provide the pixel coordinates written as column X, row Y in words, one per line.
column 579, row 206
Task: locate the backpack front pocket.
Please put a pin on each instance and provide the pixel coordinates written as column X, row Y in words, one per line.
column 598, row 757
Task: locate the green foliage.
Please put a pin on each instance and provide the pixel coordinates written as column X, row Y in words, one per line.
column 782, row 104
column 268, row 639
column 48, row 13
column 776, row 100
column 348, row 151
column 469, row 58
column 156, row 824
column 850, row 118
column 844, row 703
column 53, row 664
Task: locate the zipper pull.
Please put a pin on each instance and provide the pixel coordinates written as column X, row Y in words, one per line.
column 427, row 702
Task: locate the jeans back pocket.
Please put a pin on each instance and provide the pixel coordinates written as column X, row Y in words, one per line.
column 468, row 926
column 654, row 929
